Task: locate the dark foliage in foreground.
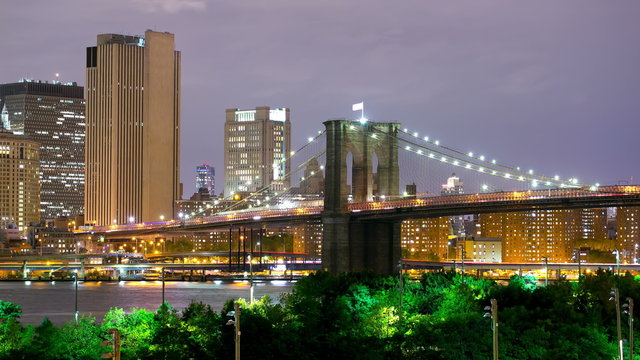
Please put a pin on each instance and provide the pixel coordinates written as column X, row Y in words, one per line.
column 355, row 316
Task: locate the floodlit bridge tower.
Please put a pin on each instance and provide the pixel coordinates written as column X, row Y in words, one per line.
column 349, row 244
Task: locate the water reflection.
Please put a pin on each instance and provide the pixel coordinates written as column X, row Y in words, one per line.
column 55, row 300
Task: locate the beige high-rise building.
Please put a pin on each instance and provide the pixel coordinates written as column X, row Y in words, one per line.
column 256, row 143
column 133, row 128
column 19, row 181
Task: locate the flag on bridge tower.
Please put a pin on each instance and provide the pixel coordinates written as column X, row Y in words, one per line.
column 359, row 106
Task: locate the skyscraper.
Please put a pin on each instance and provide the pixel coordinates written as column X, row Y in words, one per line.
column 205, row 178
column 51, row 114
column 256, row 143
column 133, row 128
column 19, row 180
column 455, row 187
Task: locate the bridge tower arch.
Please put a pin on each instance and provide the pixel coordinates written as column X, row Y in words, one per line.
column 350, row 245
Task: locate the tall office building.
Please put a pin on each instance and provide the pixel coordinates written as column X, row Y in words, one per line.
column 455, row 187
column 133, row 128
column 205, row 178
column 52, row 114
column 256, row 143
column 19, row 181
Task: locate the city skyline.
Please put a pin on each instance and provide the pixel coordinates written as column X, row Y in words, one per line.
column 462, row 73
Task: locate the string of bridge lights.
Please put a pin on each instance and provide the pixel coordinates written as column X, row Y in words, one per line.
column 481, row 164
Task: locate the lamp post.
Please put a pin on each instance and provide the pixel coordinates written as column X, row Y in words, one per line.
column 492, row 312
column 629, row 311
column 76, row 296
column 546, row 271
column 250, row 278
column 617, row 252
column 163, row 286
column 577, row 255
column 401, row 289
column 236, row 324
column 615, row 296
column 462, row 255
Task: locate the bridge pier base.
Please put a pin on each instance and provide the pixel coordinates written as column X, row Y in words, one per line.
column 350, row 245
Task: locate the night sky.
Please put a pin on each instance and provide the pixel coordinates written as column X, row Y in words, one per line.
column 548, row 85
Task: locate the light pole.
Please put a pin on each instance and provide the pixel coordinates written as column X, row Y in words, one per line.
column 401, row 289
column 462, row 255
column 577, row 254
column 617, row 261
column 492, row 312
column 546, row 271
column 629, row 311
column 162, row 286
column 615, row 296
column 236, row 324
column 250, row 278
column 76, row 302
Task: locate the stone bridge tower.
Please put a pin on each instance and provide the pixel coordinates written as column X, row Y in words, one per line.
column 349, row 244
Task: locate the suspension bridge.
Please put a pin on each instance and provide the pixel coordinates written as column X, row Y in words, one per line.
column 362, row 165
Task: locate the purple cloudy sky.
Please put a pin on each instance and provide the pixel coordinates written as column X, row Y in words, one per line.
column 548, row 85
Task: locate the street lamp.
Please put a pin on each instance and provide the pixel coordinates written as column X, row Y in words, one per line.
column 615, row 296
column 617, row 252
column 629, row 311
column 462, row 256
column 492, row 312
column 250, row 279
column 236, row 324
column 546, row 271
column 401, row 289
column 75, row 277
column 577, row 255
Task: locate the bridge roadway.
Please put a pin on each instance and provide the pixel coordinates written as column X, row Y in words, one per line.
column 425, row 207
column 16, row 264
column 486, row 266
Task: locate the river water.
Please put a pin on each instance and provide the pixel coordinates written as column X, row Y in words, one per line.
column 55, row 300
